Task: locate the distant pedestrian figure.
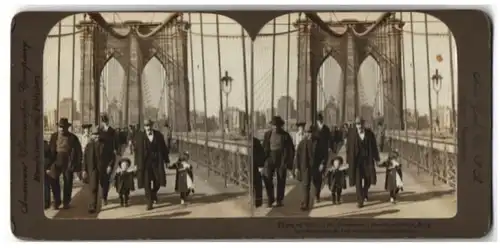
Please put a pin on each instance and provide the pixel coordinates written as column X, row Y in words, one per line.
column 393, row 175
column 124, row 180
column 47, row 179
column 336, row 175
column 258, row 168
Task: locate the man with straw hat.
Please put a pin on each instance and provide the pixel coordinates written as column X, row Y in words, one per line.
column 65, row 159
column 362, row 156
column 279, row 154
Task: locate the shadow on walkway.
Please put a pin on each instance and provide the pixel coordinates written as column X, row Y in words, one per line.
column 293, row 199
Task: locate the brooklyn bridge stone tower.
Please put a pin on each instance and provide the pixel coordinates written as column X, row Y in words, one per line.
column 133, row 44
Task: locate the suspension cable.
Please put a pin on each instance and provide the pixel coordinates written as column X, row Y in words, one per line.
column 430, row 161
column 288, row 71
column 204, row 88
column 58, row 69
column 273, row 68
column 192, row 80
column 245, row 81
column 73, row 57
column 222, row 112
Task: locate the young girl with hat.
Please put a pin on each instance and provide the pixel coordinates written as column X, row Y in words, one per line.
column 124, row 180
column 183, row 177
column 336, row 178
column 393, row 175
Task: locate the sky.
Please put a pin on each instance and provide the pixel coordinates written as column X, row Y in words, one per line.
column 232, row 61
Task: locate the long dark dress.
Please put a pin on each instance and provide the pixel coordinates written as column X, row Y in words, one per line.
column 391, row 174
column 183, row 177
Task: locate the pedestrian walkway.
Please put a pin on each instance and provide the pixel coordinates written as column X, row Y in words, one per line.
column 210, row 200
column 420, row 199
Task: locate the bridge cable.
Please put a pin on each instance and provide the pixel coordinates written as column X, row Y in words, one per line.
column 202, row 44
column 288, row 72
column 273, row 68
column 58, row 69
column 195, row 114
column 222, row 112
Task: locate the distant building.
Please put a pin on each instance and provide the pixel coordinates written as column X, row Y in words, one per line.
column 286, row 103
column 235, row 119
column 65, row 108
column 269, row 114
column 259, row 120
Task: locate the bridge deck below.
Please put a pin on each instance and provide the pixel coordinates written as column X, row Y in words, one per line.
column 420, row 199
column 211, row 200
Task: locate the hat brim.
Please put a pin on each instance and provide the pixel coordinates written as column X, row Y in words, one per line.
column 64, row 125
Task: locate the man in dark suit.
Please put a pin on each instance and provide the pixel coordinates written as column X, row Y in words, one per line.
column 306, row 170
column 362, row 155
column 151, row 158
column 279, row 154
column 258, row 166
column 109, row 150
column 96, row 171
column 323, row 143
column 65, row 159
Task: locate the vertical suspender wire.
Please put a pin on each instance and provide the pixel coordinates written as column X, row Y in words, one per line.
column 171, row 105
column 297, row 84
column 394, row 81
column 273, row 68
column 223, row 116
column 245, row 82
column 164, row 41
column 175, row 79
column 453, row 111
column 429, row 156
column 192, row 82
column 82, row 75
column 247, row 124
column 252, row 128
column 452, row 80
column 73, row 71
column 58, row 68
column 183, row 75
column 403, row 80
column 288, row 71
column 202, row 43
column 414, row 77
column 306, row 69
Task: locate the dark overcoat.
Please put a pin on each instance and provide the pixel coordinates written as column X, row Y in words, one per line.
column 352, row 150
column 75, row 163
column 124, row 181
column 91, row 158
column 140, row 158
column 289, row 149
column 336, row 179
column 259, row 156
column 303, row 161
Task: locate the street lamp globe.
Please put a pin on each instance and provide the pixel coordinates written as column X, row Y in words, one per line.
column 226, row 83
column 437, row 81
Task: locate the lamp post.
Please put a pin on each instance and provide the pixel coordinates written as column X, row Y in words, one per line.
column 226, row 83
column 437, row 82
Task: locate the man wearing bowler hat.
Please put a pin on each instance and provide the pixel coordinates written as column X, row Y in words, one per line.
column 362, row 154
column 151, row 158
column 279, row 155
column 66, row 154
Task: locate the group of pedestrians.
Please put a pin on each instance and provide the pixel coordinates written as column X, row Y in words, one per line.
column 314, row 159
column 97, row 159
